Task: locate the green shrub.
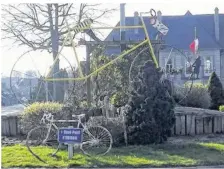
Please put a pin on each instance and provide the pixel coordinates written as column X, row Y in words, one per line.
column 196, row 85
column 195, row 96
column 32, row 114
column 215, row 90
column 221, row 108
column 150, row 110
column 37, row 108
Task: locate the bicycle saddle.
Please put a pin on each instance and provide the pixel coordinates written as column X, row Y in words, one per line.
column 78, row 116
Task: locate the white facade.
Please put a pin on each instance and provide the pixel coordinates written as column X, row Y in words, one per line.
column 211, row 60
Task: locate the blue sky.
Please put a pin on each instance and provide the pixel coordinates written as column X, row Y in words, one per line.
column 171, row 7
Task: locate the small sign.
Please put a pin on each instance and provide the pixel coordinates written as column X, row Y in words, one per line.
column 70, row 135
column 160, row 27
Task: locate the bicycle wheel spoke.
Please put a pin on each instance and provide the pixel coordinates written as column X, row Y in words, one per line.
column 100, row 141
column 60, row 71
column 38, row 91
column 58, row 83
column 50, row 95
column 172, row 72
column 87, row 145
column 24, row 73
column 103, row 134
column 104, row 142
column 34, row 64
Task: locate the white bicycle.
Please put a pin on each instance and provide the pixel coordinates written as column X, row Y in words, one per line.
column 97, row 140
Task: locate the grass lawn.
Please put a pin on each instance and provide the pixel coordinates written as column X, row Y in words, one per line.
column 131, row 156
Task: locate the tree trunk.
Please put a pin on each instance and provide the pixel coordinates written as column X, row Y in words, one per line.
column 88, row 82
column 55, row 47
column 60, row 84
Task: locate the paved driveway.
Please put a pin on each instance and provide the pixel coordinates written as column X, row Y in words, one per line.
column 12, row 110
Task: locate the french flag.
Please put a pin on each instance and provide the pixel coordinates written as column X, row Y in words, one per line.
column 194, row 46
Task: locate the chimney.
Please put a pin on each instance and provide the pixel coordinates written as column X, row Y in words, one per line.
column 122, row 23
column 136, row 21
column 216, row 20
column 159, row 16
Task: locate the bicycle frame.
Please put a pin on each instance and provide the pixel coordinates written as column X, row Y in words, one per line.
column 143, row 26
column 78, row 121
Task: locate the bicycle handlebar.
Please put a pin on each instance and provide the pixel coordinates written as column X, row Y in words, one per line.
column 46, row 117
column 152, row 12
column 50, row 118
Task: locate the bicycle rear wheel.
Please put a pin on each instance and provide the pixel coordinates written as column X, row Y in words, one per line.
column 28, row 83
column 96, row 141
column 42, row 142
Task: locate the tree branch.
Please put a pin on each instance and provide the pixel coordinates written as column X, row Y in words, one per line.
column 34, row 25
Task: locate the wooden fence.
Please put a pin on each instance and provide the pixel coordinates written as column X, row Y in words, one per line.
column 10, row 126
column 10, row 119
column 189, row 121
column 192, row 121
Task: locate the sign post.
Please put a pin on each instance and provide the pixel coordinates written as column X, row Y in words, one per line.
column 70, row 149
column 70, row 136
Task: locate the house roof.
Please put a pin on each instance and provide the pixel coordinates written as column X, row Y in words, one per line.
column 181, row 31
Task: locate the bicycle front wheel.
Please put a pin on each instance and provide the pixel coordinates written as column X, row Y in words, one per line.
column 42, row 142
column 96, row 141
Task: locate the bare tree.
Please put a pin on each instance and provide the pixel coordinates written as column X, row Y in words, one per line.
column 43, row 26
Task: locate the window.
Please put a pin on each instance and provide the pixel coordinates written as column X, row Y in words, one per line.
column 169, row 65
column 187, row 63
column 188, row 68
column 207, row 66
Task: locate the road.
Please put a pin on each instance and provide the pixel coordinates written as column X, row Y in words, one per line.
column 199, row 167
column 12, row 110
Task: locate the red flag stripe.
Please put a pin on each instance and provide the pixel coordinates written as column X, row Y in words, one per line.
column 194, row 46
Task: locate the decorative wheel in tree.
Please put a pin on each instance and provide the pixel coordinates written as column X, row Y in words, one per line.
column 28, row 82
column 175, row 65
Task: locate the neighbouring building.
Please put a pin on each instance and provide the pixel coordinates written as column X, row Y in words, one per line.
column 210, row 32
column 22, row 90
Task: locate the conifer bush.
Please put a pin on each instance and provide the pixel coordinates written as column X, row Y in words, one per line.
column 150, row 110
column 215, row 90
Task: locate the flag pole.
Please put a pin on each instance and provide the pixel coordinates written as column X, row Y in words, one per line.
column 195, row 37
column 195, row 32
